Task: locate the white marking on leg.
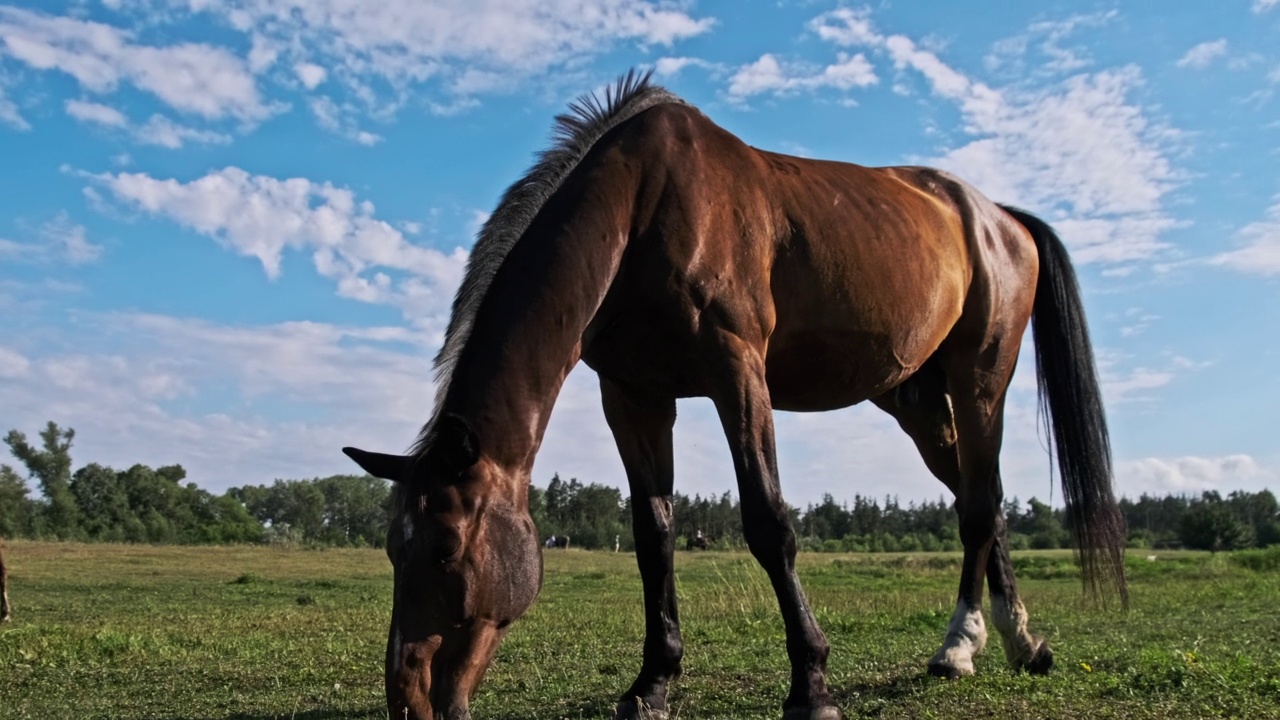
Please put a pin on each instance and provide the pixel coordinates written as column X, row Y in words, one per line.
column 406, row 526
column 966, row 636
column 396, row 644
column 1011, row 621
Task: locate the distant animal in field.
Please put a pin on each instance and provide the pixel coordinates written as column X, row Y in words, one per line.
column 677, row 261
column 5, row 609
column 699, row 542
column 557, row 541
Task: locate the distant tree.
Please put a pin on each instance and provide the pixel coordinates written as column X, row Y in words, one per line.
column 336, row 510
column 51, row 467
column 16, row 509
column 355, row 509
column 1259, row 511
column 1210, row 524
column 827, row 520
column 538, row 509
column 104, row 504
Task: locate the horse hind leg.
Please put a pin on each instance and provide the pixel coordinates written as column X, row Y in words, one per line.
column 1023, row 650
column 923, row 408
column 642, row 430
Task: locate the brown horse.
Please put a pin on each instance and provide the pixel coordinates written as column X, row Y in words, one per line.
column 676, row 261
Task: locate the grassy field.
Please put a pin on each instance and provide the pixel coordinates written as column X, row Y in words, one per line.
column 256, row 633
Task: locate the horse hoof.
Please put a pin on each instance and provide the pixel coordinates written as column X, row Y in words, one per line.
column 1042, row 661
column 637, row 709
column 947, row 672
column 829, row 712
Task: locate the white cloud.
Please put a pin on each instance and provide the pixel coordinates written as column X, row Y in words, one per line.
column 1261, row 253
column 364, row 386
column 1202, row 55
column 9, row 114
column 69, row 241
column 1131, row 386
column 846, row 27
column 340, row 119
column 1080, row 151
column 769, row 75
column 98, row 113
column 160, row 130
column 61, row 240
column 407, row 41
column 671, row 66
column 12, row 364
column 1048, row 36
column 260, row 216
column 1124, row 382
column 1191, row 474
column 263, row 53
column 310, row 74
column 195, row 78
column 1261, row 6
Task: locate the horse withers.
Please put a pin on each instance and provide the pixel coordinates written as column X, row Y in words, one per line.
column 676, row 261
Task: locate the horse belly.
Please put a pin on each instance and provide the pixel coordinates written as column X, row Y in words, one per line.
column 835, row 369
column 850, row 339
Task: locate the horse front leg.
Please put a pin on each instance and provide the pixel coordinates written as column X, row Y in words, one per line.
column 642, row 430
column 743, row 403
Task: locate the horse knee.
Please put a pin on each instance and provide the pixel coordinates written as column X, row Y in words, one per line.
column 770, row 538
column 979, row 523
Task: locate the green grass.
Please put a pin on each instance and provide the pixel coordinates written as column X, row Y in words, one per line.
column 252, row 632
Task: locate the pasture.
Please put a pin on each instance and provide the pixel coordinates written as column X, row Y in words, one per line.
column 263, row 632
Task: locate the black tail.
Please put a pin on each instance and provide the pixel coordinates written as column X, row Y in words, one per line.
column 1071, row 401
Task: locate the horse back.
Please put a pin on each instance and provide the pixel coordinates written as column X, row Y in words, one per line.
column 846, row 278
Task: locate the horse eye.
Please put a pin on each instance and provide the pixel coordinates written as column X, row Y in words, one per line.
column 446, row 548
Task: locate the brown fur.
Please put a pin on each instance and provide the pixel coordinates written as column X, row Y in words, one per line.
column 676, row 261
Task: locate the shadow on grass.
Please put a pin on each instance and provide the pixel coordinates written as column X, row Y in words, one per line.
column 887, row 690
column 573, row 709
column 373, row 713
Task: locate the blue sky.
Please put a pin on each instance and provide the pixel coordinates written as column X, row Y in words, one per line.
column 230, row 229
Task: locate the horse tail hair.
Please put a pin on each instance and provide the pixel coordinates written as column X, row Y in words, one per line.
column 1071, row 409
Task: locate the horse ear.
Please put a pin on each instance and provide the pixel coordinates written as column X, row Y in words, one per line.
column 380, row 465
column 456, row 443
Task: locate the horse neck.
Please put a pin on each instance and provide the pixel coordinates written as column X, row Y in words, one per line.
column 527, row 333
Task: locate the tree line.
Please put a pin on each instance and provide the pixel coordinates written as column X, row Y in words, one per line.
column 157, row 505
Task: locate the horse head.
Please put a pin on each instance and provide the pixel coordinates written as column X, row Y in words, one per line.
column 467, row 564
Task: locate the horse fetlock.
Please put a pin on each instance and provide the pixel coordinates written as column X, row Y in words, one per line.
column 966, row 637
column 1023, row 650
column 825, row 712
column 951, row 665
column 637, row 708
